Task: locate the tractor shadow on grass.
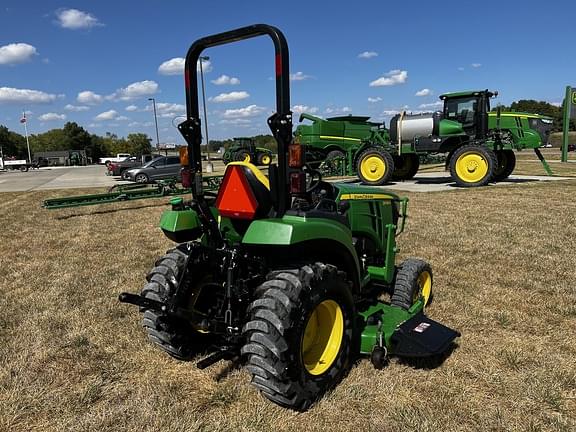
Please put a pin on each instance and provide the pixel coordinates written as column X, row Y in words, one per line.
column 428, row 363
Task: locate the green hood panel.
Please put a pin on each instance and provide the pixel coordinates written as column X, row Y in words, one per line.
column 450, row 127
column 290, row 230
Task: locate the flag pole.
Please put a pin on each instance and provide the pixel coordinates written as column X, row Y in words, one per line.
column 26, row 132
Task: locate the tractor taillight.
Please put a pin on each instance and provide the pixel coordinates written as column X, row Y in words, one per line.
column 297, row 182
column 186, row 180
column 183, row 152
column 235, row 198
column 295, row 159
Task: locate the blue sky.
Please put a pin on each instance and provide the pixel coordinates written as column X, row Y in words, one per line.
column 98, row 62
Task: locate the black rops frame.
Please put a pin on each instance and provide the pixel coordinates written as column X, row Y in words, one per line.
column 280, row 123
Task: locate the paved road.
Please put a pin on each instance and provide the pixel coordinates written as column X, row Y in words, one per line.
column 94, row 176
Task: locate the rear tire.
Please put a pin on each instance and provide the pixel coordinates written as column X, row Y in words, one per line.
column 405, row 166
column 506, row 162
column 175, row 337
column 413, row 280
column 242, row 156
column 472, row 165
column 264, row 159
column 302, row 335
column 375, row 166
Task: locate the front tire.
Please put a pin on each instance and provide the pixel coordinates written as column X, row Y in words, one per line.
column 242, row 156
column 302, row 334
column 472, row 165
column 413, row 281
column 125, row 175
column 141, row 178
column 264, row 159
column 375, row 166
column 506, row 162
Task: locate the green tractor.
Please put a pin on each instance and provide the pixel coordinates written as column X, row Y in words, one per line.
column 285, row 273
column 479, row 144
column 245, row 150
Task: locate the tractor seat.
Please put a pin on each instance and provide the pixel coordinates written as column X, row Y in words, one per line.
column 244, row 192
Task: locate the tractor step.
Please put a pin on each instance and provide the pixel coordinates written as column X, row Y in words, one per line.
column 421, row 336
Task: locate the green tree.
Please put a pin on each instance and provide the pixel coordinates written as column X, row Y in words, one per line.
column 139, row 144
column 12, row 143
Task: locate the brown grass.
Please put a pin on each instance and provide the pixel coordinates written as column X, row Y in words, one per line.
column 73, row 358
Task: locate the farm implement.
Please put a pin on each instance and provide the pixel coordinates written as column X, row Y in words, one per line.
column 479, row 145
column 284, row 273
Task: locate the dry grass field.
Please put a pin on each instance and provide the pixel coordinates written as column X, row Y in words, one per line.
column 73, row 359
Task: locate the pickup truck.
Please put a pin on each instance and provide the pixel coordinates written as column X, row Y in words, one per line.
column 118, row 158
column 120, row 168
column 18, row 164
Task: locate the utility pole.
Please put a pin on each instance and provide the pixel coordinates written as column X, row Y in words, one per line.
column 156, row 123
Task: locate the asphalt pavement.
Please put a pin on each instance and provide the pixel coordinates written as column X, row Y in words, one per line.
column 95, row 176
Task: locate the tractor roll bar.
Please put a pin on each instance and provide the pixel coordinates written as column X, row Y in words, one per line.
column 280, row 123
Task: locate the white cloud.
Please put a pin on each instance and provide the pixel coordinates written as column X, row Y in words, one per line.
column 423, row 92
column 89, row 97
column 394, row 77
column 230, row 97
column 237, row 122
column 52, row 116
column 367, row 54
column 299, row 76
column 135, row 90
column 76, row 108
column 16, row 53
column 305, row 108
column 460, row 68
column 107, row 115
column 249, row 111
column 556, row 104
column 175, row 66
column 476, row 65
column 122, row 118
column 376, row 99
column 342, row 110
column 14, row 95
column 390, row 113
column 165, row 107
column 436, row 104
column 226, row 80
column 131, row 108
column 74, row 19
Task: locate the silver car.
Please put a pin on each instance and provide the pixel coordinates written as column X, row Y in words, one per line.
column 160, row 168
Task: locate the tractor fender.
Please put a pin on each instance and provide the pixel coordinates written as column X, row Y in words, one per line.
column 298, row 239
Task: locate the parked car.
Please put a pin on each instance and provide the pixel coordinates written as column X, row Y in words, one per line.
column 160, row 168
column 120, row 168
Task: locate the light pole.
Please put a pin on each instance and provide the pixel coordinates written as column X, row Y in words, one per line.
column 209, row 166
column 156, row 122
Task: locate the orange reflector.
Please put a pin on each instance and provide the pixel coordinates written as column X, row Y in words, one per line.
column 295, row 156
column 183, row 151
column 235, row 197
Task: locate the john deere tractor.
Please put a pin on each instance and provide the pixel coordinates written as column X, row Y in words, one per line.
column 283, row 273
column 479, row 144
column 245, row 150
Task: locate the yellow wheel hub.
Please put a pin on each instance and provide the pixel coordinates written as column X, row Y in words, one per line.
column 373, row 168
column 322, row 337
column 266, row 160
column 471, row 167
column 424, row 287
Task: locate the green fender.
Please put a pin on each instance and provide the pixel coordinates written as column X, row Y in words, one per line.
column 317, row 236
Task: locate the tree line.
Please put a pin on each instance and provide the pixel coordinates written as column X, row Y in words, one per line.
column 73, row 137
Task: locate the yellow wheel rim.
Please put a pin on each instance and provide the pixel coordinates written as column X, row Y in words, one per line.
column 373, row 168
column 266, row 160
column 471, row 167
column 424, row 287
column 322, row 337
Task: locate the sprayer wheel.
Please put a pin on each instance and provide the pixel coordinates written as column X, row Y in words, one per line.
column 301, row 335
column 505, row 166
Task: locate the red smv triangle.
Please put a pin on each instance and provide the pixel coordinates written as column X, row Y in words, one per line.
column 235, row 197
